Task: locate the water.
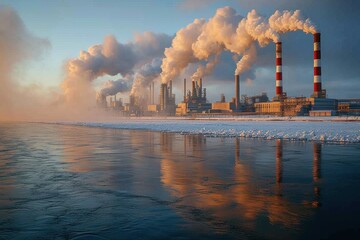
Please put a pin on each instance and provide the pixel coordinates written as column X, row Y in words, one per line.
column 73, row 182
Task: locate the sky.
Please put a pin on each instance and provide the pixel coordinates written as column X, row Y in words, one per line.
column 71, row 26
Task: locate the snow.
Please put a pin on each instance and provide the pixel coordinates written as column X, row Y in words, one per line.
column 299, row 129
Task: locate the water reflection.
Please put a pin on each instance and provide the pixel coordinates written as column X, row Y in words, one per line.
column 279, row 156
column 76, row 180
column 316, row 173
column 243, row 199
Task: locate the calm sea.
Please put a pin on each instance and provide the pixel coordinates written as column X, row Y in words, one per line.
column 73, row 182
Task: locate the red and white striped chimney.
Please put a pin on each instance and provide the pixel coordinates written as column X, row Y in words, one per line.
column 279, row 89
column 317, row 64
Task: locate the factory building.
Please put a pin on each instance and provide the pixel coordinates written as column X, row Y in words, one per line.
column 116, row 105
column 229, row 107
column 167, row 100
column 316, row 105
column 349, row 107
column 248, row 103
column 101, row 100
column 195, row 100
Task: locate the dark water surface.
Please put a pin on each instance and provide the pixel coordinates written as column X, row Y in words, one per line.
column 71, row 182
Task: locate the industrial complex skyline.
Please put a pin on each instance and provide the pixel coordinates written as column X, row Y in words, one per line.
column 139, row 31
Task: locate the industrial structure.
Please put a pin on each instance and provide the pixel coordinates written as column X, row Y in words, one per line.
column 195, row 100
column 317, row 105
column 167, row 99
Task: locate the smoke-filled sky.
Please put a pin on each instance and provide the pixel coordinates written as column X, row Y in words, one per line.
column 62, row 29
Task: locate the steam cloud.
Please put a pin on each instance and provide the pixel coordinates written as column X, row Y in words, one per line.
column 17, row 46
column 110, row 58
column 111, row 87
column 227, row 31
column 145, row 76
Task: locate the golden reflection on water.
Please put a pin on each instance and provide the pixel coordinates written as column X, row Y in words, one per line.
column 245, row 199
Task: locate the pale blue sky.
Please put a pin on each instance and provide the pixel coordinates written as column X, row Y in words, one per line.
column 71, row 26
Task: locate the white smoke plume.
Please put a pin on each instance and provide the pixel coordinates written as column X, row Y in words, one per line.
column 109, row 58
column 180, row 54
column 202, row 70
column 146, row 74
column 227, row 31
column 287, row 21
column 111, row 87
column 247, row 60
column 17, row 47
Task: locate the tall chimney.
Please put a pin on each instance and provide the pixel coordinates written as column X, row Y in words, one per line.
column 163, row 91
column 278, row 74
column 237, row 91
column 150, row 99
column 153, row 92
column 193, row 88
column 184, row 89
column 200, row 88
column 170, row 89
column 317, row 65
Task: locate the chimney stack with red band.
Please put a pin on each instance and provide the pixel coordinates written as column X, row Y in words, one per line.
column 317, row 65
column 279, row 89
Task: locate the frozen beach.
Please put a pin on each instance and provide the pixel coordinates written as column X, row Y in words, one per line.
column 333, row 129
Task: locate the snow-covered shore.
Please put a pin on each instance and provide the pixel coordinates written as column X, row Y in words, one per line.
column 297, row 128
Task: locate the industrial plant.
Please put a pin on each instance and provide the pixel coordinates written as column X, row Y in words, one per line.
column 195, row 102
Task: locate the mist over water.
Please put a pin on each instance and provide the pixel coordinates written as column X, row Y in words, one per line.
column 69, row 182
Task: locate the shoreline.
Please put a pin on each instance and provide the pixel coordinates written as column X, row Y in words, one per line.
column 323, row 131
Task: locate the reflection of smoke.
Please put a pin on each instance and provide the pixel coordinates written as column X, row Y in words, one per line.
column 113, row 87
column 227, row 31
column 110, row 58
column 145, row 76
column 16, row 46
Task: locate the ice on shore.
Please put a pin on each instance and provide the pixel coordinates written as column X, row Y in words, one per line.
column 327, row 131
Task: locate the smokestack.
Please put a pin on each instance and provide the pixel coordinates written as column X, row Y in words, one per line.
column 193, row 88
column 237, row 91
column 317, row 65
column 170, row 88
column 278, row 74
column 163, row 90
column 150, row 99
column 184, row 89
column 153, row 92
column 200, row 88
